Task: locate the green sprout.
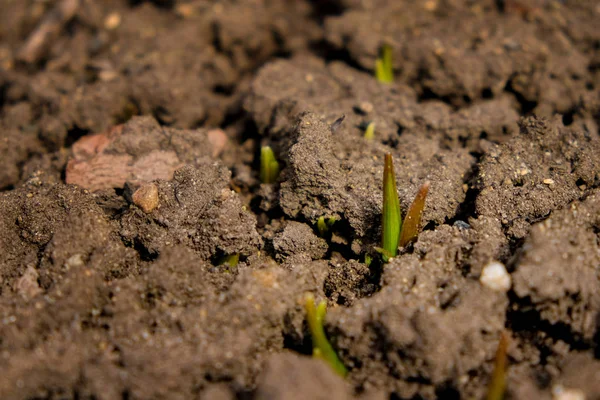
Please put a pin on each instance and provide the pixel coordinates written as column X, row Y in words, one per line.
column 322, row 349
column 324, row 226
column 370, row 131
column 498, row 382
column 394, row 232
column 392, row 219
column 231, row 260
column 269, row 167
column 384, row 71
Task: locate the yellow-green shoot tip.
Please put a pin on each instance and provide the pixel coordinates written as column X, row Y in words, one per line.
column 315, row 316
column 384, row 71
column 370, row 131
column 269, row 167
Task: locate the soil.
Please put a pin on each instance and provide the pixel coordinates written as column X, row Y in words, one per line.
column 130, row 134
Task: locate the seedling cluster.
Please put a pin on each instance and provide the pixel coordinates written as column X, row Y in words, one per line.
column 394, row 233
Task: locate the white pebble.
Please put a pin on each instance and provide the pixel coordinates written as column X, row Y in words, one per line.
column 495, row 277
column 561, row 393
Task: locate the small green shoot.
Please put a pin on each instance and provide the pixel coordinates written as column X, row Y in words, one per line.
column 384, row 71
column 498, row 382
column 368, row 259
column 231, row 260
column 394, row 232
column 412, row 222
column 315, row 316
column 370, row 131
column 269, row 167
column 392, row 219
column 323, row 225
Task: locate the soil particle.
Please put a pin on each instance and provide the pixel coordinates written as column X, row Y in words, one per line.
column 146, row 197
column 303, row 378
column 58, row 222
column 297, row 238
column 196, row 210
column 349, row 281
column 464, row 52
column 138, row 152
column 557, row 268
column 511, row 176
column 442, row 327
column 581, row 373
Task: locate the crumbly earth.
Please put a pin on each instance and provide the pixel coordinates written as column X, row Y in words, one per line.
column 142, row 258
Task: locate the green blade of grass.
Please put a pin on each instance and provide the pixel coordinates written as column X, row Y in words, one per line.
column 269, row 167
column 386, row 56
column 412, row 221
column 498, row 382
column 231, row 260
column 392, row 219
column 321, row 346
column 384, row 70
column 322, row 226
column 370, row 131
column 380, row 74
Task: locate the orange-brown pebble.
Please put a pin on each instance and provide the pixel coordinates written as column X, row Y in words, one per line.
column 146, row 197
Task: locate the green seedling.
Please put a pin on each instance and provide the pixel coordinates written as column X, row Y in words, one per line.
column 231, row 260
column 392, row 219
column 323, row 225
column 370, row 131
column 412, row 222
column 498, row 382
column 384, row 71
column 394, row 232
column 269, row 167
column 322, row 349
column 368, row 259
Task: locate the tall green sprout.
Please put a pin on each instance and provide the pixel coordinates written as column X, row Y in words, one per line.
column 384, row 71
column 322, row 349
column 269, row 167
column 392, row 219
column 394, row 232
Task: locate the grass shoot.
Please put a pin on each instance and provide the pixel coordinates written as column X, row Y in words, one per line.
column 269, row 167
column 323, row 225
column 384, row 71
column 370, row 131
column 315, row 316
column 392, row 219
column 394, row 232
column 498, row 382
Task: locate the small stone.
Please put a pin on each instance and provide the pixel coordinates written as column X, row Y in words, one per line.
column 549, row 181
column 366, row 107
column 146, row 197
column 561, row 393
column 112, row 21
column 27, row 285
column 495, row 277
